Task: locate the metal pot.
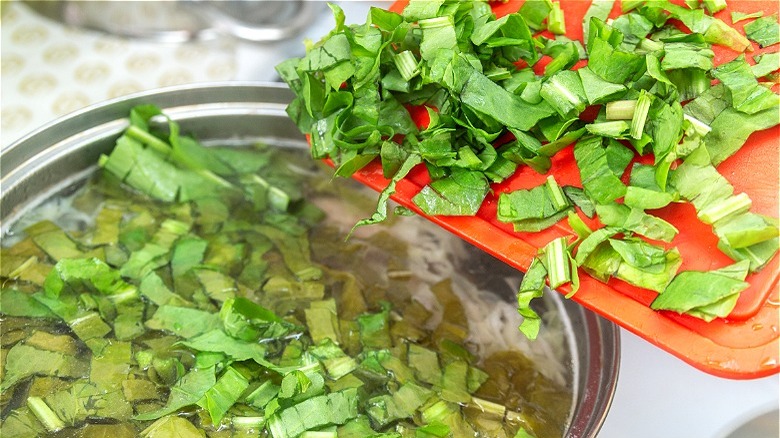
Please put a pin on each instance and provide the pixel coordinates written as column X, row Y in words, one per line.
column 66, row 150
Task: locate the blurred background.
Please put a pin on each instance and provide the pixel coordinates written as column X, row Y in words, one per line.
column 60, row 56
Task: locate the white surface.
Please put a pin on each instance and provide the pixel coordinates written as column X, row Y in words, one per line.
column 659, row 395
column 49, row 70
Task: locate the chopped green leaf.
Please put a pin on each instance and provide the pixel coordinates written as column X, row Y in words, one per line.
column 535, row 209
column 765, row 31
column 172, row 426
column 531, row 287
column 766, row 64
column 331, row 409
column 459, row 194
column 705, row 295
column 598, row 178
column 187, row 391
column 225, row 392
column 737, row 16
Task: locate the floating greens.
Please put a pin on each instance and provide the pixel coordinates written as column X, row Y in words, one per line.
column 220, row 302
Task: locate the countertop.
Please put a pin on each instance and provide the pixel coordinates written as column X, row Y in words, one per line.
column 49, row 70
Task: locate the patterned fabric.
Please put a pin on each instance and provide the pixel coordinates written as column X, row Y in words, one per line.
column 50, row 69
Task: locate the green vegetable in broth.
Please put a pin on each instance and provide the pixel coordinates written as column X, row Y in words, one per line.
column 234, row 309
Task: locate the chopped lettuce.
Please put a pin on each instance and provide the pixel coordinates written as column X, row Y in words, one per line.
column 635, row 262
column 766, row 64
column 705, row 295
column 605, row 57
column 459, row 194
column 534, row 209
column 713, row 197
column 598, row 90
column 600, row 181
column 187, row 391
column 715, row 31
column 765, row 30
column 332, row 409
column 637, row 221
column 531, row 287
column 171, row 426
column 599, row 9
column 747, row 95
column 23, row 361
column 564, row 92
column 737, row 16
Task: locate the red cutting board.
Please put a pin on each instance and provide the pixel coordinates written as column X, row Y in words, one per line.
column 744, row 345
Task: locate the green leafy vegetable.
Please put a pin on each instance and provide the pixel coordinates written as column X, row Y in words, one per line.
column 765, row 31
column 535, row 209
column 243, row 314
column 606, row 59
column 714, row 30
column 460, row 194
column 172, row 426
column 17, row 303
column 183, row 321
column 564, row 92
column 746, row 94
column 598, row 90
column 45, row 415
column 636, row 262
column 531, row 287
column 737, row 16
column 705, row 295
column 635, row 220
column 714, row 6
column 599, row 9
column 225, row 392
column 766, row 64
column 217, row 341
column 600, row 181
column 23, row 361
column 187, row 391
column 333, row 409
column 715, row 202
column 535, row 12
column 641, row 70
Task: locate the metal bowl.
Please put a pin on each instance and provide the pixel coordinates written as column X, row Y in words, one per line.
column 66, row 150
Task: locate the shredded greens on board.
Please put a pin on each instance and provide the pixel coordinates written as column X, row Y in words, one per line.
column 474, row 75
column 215, row 301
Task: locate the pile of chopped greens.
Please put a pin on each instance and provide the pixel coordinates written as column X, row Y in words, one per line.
column 645, row 91
column 211, row 298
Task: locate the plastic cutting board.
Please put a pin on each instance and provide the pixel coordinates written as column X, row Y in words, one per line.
column 743, row 345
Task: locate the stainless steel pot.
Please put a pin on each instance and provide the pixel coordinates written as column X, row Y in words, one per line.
column 67, row 150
